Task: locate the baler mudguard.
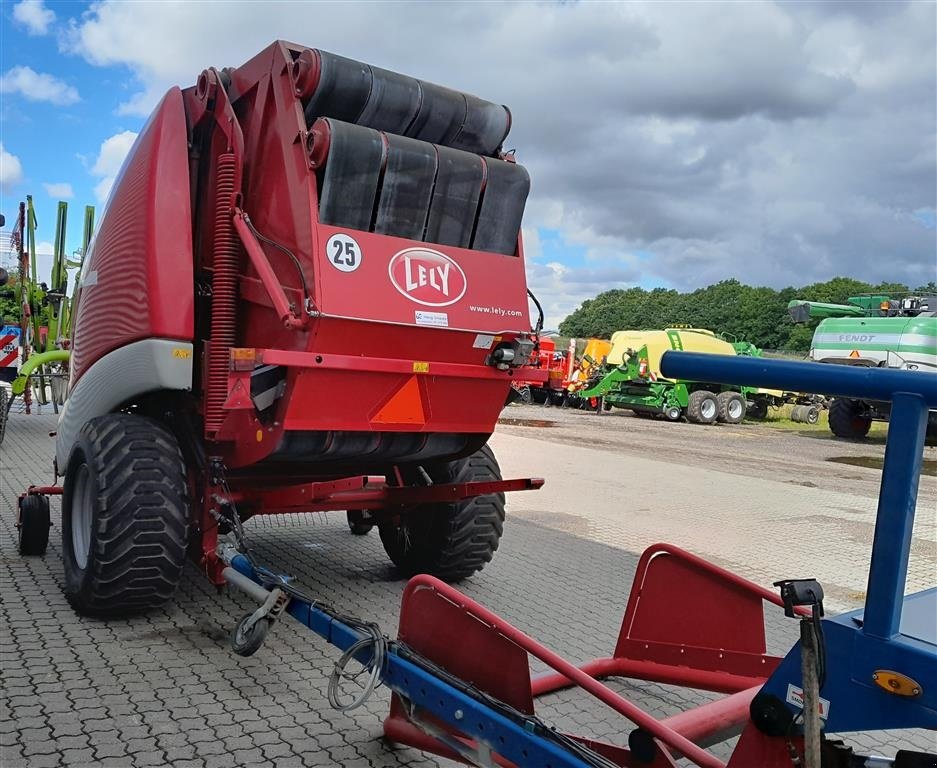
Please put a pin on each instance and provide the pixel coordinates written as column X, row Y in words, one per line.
column 135, row 309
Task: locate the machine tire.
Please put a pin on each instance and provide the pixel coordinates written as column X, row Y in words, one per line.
column 357, row 524
column 125, row 503
column 524, row 394
column 756, row 409
column 249, row 642
column 702, row 407
column 450, row 540
column 5, row 403
column 673, row 413
column 730, row 407
column 34, row 523
column 812, row 414
column 849, row 419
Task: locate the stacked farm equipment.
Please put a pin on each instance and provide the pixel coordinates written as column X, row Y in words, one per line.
column 897, row 332
column 632, row 379
column 322, row 307
column 546, row 373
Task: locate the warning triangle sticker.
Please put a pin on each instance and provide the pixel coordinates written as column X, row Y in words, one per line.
column 404, row 407
column 854, row 353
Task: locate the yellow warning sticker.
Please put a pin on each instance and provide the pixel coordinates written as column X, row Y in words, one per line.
column 182, row 353
column 420, row 367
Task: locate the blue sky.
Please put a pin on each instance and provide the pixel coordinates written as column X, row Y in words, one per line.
column 773, row 142
column 56, row 134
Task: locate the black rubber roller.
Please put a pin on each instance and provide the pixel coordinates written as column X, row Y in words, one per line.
column 349, row 182
column 502, row 208
column 343, row 90
column 354, row 92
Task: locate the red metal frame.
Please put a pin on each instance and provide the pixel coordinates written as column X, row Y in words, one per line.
column 371, row 492
column 677, row 595
column 697, row 625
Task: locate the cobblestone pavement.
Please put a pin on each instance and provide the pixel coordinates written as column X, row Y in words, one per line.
column 165, row 690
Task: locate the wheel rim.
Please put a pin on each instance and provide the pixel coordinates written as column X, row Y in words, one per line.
column 707, row 409
column 81, row 516
column 735, row 409
column 673, row 414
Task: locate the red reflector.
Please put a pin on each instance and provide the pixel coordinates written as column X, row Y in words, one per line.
column 404, row 407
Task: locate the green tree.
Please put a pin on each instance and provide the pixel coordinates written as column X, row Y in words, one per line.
column 755, row 314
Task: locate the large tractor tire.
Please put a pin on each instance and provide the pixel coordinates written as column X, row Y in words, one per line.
column 849, row 418
column 125, row 516
column 450, row 540
column 702, row 407
column 730, row 407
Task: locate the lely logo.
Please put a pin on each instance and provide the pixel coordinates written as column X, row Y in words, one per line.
column 427, row 277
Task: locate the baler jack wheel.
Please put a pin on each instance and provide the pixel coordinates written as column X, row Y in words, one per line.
column 249, row 634
column 125, row 516
column 33, row 525
column 357, row 523
column 449, row 540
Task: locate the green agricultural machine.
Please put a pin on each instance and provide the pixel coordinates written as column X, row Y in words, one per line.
column 632, row 380
column 39, row 370
column 872, row 331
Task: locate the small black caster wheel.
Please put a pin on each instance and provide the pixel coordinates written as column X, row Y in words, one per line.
column 246, row 641
column 33, row 525
column 357, row 523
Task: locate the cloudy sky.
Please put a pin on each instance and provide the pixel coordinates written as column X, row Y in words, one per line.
column 669, row 143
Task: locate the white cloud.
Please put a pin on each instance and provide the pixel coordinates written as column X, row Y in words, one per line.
column 109, row 161
column 38, row 86
column 11, row 170
column 33, row 15
column 59, row 189
column 780, row 143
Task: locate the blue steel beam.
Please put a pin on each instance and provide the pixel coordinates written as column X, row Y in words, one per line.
column 912, row 393
column 796, row 376
column 519, row 744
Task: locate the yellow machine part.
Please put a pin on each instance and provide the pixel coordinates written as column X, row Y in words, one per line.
column 658, row 342
column 597, row 349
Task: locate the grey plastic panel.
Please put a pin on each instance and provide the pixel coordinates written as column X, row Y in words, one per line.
column 145, row 366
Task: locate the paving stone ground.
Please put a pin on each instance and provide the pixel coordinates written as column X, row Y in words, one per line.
column 165, row 690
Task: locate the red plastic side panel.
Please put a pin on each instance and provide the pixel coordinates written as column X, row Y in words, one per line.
column 138, row 282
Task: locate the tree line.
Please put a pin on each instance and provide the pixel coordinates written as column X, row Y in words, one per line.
column 755, row 314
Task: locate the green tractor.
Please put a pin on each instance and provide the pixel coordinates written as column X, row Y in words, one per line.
column 872, row 331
